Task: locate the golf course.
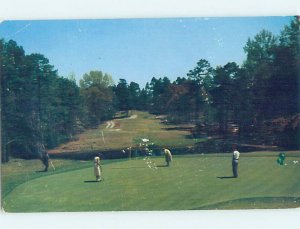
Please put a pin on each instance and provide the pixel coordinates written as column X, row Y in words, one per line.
column 198, row 181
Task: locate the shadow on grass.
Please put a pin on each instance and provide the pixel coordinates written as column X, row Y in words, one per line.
column 91, row 181
column 189, row 128
column 226, row 177
column 162, row 166
column 41, row 171
column 130, row 168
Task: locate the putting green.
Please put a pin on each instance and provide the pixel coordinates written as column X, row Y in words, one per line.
column 191, row 182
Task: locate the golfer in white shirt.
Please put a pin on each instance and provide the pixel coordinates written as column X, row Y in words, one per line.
column 235, row 161
column 97, row 168
column 168, row 156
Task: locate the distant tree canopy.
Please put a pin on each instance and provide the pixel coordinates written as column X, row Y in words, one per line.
column 122, row 95
column 96, row 78
column 264, row 88
column 97, row 96
column 38, row 106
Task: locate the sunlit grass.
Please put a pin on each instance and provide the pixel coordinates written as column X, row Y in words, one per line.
column 192, row 182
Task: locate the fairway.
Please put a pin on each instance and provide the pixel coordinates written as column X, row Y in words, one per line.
column 191, row 182
column 128, row 132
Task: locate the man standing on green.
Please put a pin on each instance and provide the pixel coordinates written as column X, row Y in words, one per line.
column 44, row 156
column 97, row 168
column 235, row 161
column 45, row 159
column 168, row 156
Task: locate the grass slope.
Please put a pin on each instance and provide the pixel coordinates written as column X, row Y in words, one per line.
column 192, row 182
column 128, row 132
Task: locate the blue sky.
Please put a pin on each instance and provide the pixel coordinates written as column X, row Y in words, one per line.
column 138, row 49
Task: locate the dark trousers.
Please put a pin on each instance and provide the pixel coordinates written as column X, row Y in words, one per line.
column 235, row 167
column 46, row 163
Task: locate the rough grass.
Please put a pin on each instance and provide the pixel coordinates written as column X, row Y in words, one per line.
column 192, row 182
column 128, row 133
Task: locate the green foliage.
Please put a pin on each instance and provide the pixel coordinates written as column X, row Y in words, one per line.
column 264, row 88
column 97, row 97
column 202, row 73
column 134, row 96
column 144, row 99
column 131, row 97
column 224, row 94
column 96, row 78
column 160, row 94
column 38, row 105
column 201, row 77
column 123, row 96
column 259, row 49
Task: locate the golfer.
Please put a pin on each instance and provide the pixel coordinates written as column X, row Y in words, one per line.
column 235, row 161
column 97, row 168
column 168, row 156
column 44, row 156
column 45, row 160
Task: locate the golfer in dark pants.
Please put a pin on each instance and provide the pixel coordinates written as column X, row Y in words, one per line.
column 44, row 156
column 45, row 160
column 235, row 161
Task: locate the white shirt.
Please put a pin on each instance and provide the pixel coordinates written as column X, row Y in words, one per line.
column 236, row 155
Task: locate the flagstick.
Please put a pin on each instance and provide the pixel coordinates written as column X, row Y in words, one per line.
column 52, row 165
column 103, row 137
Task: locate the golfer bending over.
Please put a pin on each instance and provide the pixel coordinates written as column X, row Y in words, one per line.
column 168, row 156
column 235, row 161
column 97, row 168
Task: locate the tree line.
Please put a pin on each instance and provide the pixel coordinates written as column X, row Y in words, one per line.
column 39, row 106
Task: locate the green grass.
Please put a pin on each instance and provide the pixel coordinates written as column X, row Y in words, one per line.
column 192, row 182
column 18, row 171
column 255, row 203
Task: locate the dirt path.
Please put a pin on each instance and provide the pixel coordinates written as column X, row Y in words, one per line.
column 132, row 117
column 112, row 124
